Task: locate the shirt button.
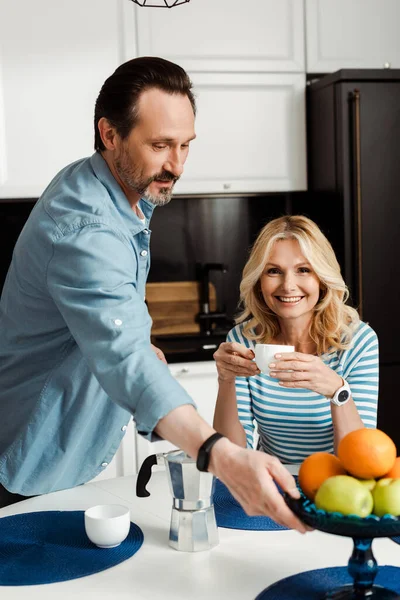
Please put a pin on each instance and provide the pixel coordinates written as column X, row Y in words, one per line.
column 117, row 322
column 104, row 464
column 146, row 231
column 143, row 253
column 123, row 428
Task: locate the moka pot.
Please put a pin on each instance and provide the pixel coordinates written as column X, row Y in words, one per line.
column 193, row 526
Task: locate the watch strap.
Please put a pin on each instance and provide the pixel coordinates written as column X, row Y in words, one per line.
column 203, row 455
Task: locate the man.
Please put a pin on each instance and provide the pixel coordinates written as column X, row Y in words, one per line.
column 75, row 353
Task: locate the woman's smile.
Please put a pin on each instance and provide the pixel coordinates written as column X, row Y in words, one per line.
column 290, row 299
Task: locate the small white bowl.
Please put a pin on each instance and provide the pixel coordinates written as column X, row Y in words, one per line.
column 107, row 525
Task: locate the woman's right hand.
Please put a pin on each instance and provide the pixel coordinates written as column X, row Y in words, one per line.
column 234, row 360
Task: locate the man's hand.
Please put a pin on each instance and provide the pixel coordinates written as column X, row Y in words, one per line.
column 234, row 360
column 159, row 353
column 250, row 476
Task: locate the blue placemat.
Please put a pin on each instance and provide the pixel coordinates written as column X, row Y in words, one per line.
column 396, row 539
column 51, row 546
column 312, row 585
column 230, row 514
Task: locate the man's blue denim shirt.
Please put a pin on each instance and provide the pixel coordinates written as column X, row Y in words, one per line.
column 75, row 354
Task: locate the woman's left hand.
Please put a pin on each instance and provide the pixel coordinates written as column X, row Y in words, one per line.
column 305, row 371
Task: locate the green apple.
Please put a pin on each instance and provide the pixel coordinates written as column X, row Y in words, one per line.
column 346, row 495
column 369, row 483
column 386, row 496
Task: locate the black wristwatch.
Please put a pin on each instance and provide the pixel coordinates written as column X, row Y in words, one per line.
column 203, row 456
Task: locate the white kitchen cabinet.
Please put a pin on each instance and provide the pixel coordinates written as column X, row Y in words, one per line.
column 343, row 34
column 200, row 380
column 250, row 134
column 226, row 35
column 54, row 58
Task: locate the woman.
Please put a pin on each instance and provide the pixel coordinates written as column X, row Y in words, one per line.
column 293, row 293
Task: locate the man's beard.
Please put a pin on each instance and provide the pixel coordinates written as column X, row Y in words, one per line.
column 133, row 179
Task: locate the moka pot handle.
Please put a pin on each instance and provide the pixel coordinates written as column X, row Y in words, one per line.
column 144, row 475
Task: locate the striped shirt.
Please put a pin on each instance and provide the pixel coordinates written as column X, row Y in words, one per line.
column 294, row 423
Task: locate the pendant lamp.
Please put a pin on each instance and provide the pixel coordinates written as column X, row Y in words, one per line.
column 160, row 3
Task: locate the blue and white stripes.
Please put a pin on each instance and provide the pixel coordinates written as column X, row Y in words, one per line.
column 294, row 423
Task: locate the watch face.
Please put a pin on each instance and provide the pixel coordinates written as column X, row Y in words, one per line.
column 343, row 396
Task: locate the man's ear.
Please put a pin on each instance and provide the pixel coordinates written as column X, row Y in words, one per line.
column 108, row 133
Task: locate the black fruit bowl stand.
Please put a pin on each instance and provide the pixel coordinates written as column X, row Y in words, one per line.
column 362, row 565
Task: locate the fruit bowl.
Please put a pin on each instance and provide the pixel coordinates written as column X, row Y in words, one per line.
column 362, row 565
column 346, row 525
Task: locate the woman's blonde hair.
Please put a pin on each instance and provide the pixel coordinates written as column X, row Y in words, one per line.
column 333, row 322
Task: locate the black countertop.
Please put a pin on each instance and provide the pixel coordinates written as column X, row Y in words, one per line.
column 189, row 347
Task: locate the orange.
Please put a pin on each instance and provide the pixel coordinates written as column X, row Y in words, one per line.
column 395, row 470
column 367, row 453
column 315, row 469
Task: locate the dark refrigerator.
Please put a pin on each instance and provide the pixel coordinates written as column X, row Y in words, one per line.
column 353, row 129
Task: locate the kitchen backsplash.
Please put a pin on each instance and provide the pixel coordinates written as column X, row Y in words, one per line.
column 13, row 214
column 186, row 232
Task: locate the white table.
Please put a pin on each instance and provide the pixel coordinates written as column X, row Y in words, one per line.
column 240, row 567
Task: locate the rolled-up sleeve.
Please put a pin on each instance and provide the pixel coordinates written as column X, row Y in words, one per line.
column 92, row 278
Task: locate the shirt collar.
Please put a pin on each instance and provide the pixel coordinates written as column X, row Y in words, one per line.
column 104, row 175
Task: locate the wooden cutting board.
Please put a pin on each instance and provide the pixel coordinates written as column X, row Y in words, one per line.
column 173, row 306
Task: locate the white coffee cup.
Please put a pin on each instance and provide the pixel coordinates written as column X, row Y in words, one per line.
column 265, row 354
column 107, row 525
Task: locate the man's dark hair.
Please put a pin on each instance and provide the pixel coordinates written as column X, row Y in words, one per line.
column 119, row 95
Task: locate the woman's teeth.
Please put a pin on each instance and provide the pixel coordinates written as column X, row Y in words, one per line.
column 292, row 299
